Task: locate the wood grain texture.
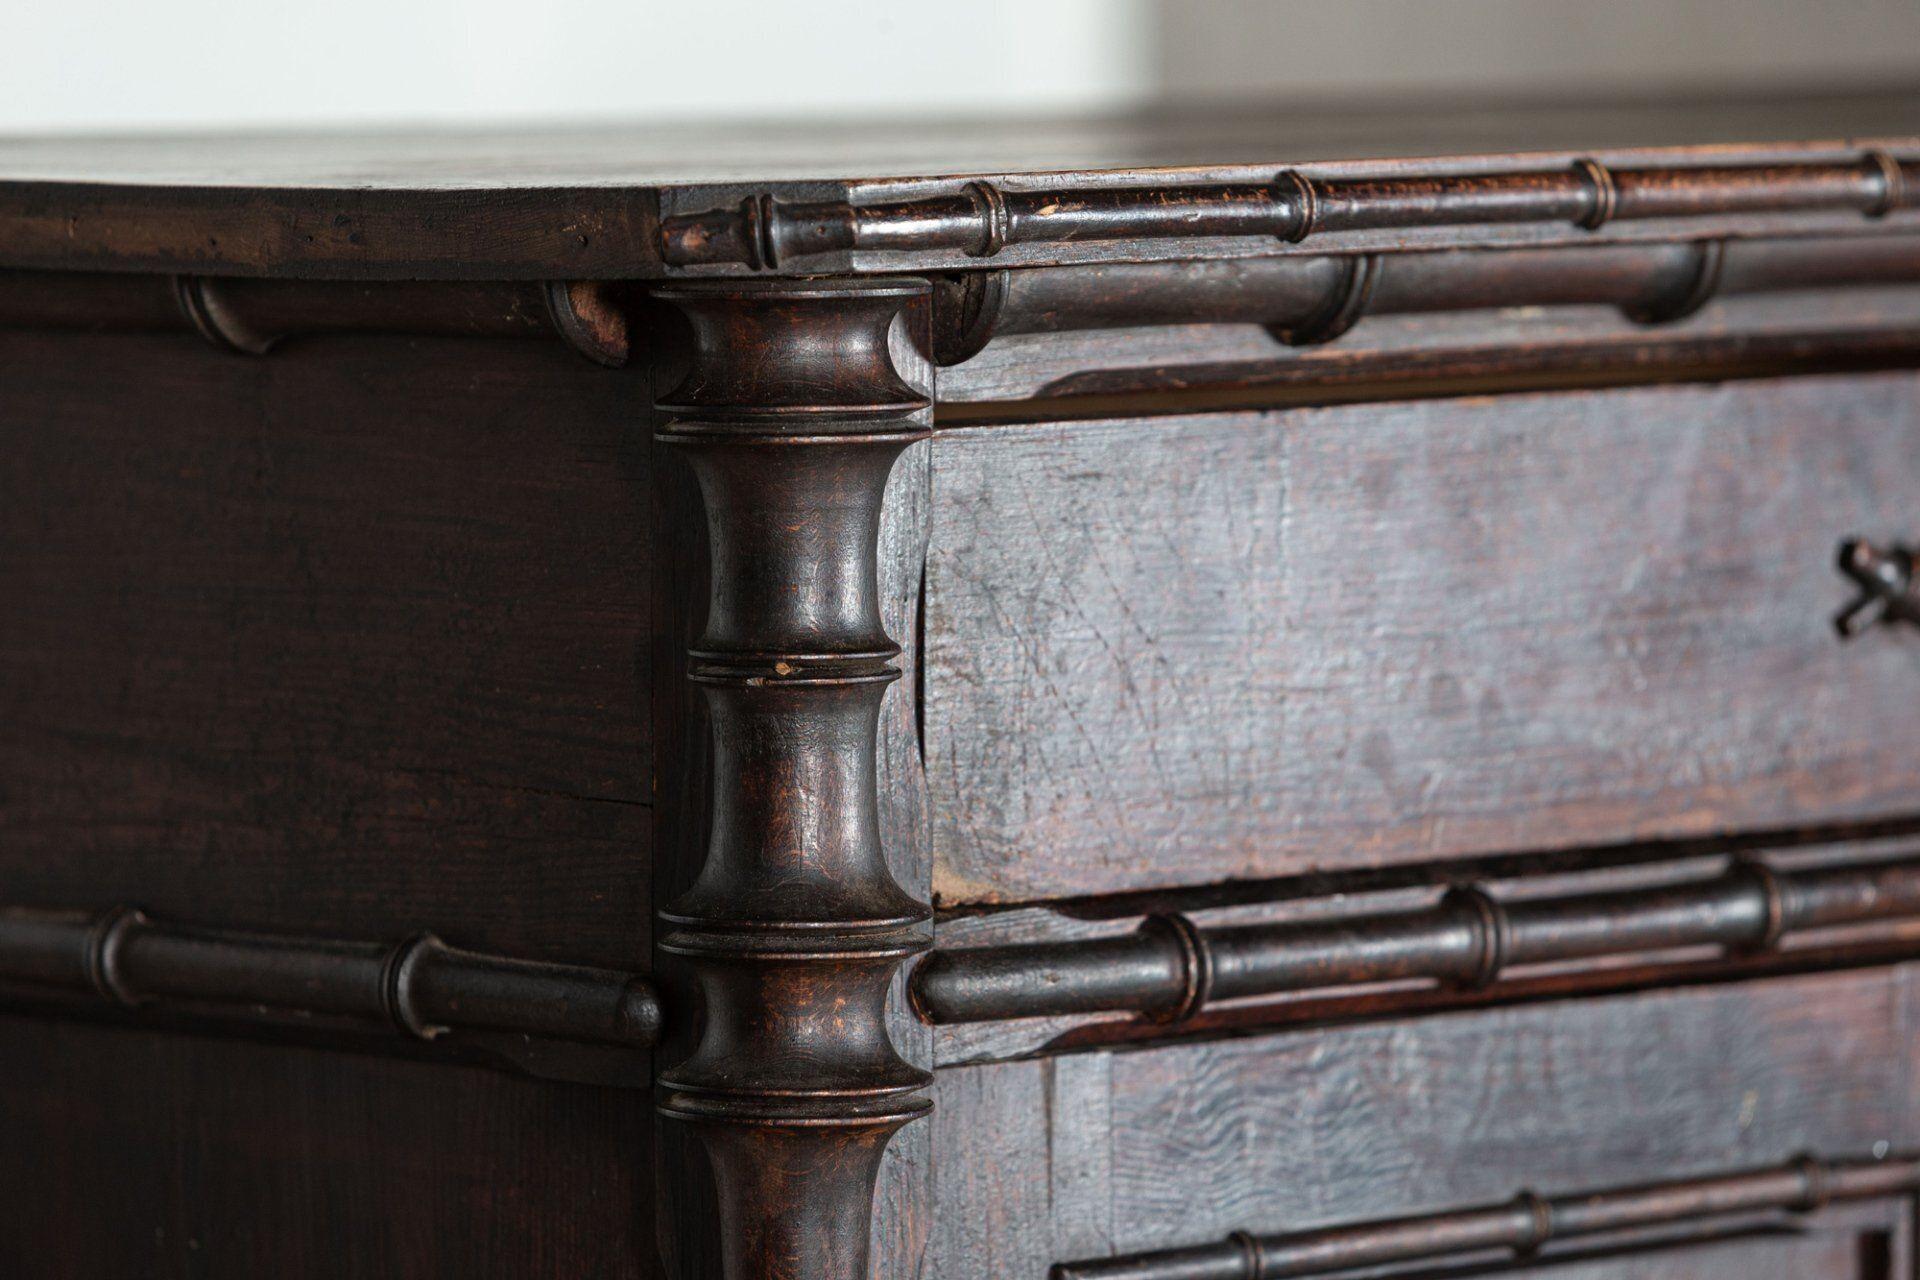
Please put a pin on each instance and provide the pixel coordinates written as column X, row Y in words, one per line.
column 903, row 1219
column 174, row 1158
column 349, row 641
column 1280, row 1133
column 1844, row 1253
column 1177, row 651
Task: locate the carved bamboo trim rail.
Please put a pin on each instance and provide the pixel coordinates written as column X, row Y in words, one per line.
column 248, row 316
column 1303, row 301
column 1172, row 968
column 984, row 218
column 1310, row 301
column 421, row 987
column 1523, row 1225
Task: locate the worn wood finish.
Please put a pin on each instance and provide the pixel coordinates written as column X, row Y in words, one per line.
column 1527, row 1225
column 1284, row 1133
column 1361, row 637
column 178, row 1156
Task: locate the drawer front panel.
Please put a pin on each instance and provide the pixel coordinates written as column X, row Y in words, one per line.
column 1185, row 650
column 1093, row 1155
column 1824, row 1253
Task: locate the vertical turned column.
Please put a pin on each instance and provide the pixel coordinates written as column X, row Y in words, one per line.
column 792, row 413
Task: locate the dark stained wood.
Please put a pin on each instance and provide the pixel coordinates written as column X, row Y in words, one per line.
column 1314, row 1128
column 792, row 412
column 417, row 987
column 1361, row 637
column 181, row 1157
column 1139, row 538
column 320, row 645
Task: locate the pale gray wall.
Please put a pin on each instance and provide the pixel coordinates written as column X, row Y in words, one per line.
column 1289, row 48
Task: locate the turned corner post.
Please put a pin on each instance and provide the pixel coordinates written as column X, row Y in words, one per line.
column 791, row 411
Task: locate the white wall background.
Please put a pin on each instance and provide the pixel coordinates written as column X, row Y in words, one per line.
column 174, row 63
column 118, row 64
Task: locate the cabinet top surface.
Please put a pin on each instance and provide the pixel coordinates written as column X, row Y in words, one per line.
column 676, row 154
column 591, row 200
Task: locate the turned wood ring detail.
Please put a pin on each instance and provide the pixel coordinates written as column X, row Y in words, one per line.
column 1196, row 963
column 1254, row 1257
column 1306, row 204
column 1893, row 184
column 1773, row 903
column 1709, row 258
column 1490, row 929
column 1346, row 305
column 1606, row 193
column 1539, row 1213
column 995, row 222
column 104, row 945
column 1813, row 1176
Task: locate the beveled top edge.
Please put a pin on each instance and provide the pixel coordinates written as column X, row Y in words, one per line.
column 590, row 202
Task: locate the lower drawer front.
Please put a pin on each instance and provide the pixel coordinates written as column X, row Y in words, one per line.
column 1178, row 651
column 1840, row 1250
column 1092, row 1156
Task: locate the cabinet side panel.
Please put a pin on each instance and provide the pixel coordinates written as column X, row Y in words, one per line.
column 350, row 639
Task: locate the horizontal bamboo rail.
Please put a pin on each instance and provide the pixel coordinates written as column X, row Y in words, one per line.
column 420, row 988
column 984, row 218
column 1523, row 1225
column 1171, row 968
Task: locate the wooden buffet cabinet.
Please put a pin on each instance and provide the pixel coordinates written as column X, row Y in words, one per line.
column 1207, row 698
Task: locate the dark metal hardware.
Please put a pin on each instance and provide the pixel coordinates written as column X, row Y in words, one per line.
column 1522, row 1225
column 1889, row 581
column 1469, row 938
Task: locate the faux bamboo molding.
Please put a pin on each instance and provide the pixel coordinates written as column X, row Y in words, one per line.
column 1523, row 1225
column 1172, row 968
column 420, row 987
column 983, row 218
column 247, row 316
column 792, row 415
column 1309, row 301
column 1302, row 300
